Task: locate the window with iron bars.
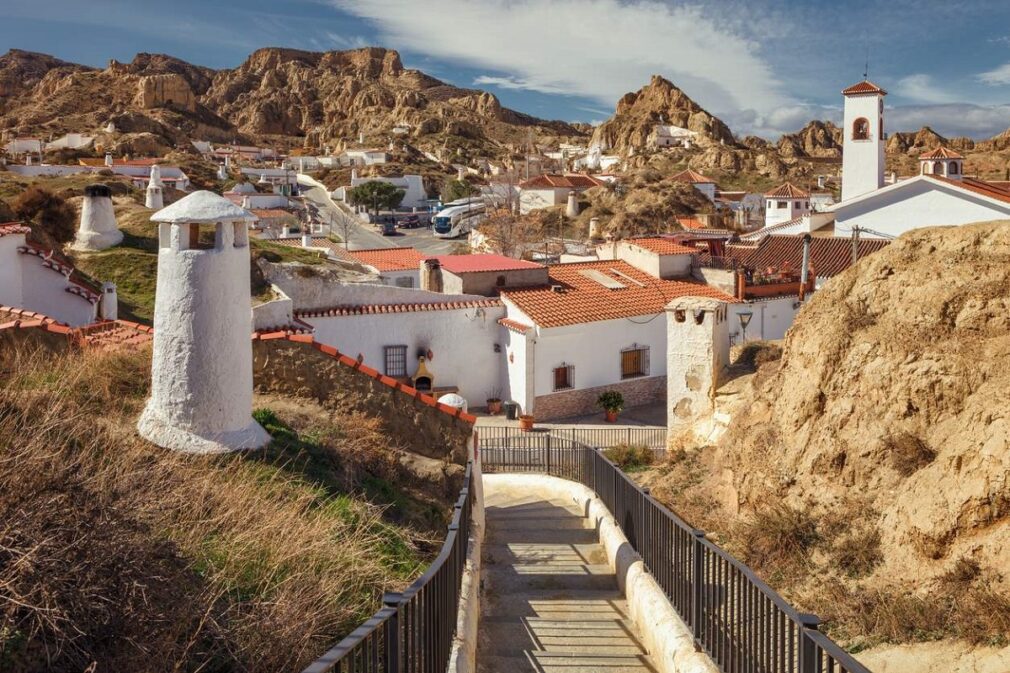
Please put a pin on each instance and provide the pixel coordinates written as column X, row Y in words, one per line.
column 396, row 360
column 634, row 362
column 564, row 377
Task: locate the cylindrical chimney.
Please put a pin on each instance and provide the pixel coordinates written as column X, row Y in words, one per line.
column 805, row 270
column 98, row 229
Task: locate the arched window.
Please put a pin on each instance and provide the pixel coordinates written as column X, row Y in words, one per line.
column 937, row 168
column 952, row 168
column 861, row 129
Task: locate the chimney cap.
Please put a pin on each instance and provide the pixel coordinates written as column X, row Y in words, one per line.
column 98, row 189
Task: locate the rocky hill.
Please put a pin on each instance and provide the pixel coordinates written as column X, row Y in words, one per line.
column 278, row 96
column 869, row 466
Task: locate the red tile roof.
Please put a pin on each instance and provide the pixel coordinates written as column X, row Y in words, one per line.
column 479, row 263
column 690, row 223
column 864, row 87
column 788, row 191
column 389, row 259
column 10, row 228
column 941, row 153
column 580, row 299
column 270, row 212
column 692, row 177
column 828, row 256
column 379, row 309
column 566, row 181
column 514, row 325
column 337, row 249
column 977, row 186
column 662, row 246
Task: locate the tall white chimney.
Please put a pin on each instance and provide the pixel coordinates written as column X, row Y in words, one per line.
column 155, row 197
column 109, row 308
column 98, row 229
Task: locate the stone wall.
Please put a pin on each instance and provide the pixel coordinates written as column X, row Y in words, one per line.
column 299, row 367
column 580, row 402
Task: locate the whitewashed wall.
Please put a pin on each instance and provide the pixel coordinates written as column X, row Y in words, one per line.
column 10, row 271
column 769, row 321
column 25, row 283
column 462, row 341
column 917, row 203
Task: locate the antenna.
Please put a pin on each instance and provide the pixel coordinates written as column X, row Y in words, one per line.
column 866, row 68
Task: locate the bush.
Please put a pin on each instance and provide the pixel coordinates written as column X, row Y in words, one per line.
column 908, row 454
column 778, row 539
column 611, row 400
column 858, row 553
column 49, row 212
column 630, row 457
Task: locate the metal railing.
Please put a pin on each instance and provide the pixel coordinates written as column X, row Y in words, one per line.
column 737, row 619
column 604, row 438
column 413, row 631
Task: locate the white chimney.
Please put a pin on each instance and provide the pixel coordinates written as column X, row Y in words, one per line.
column 354, row 174
column 98, row 229
column 155, row 198
column 201, row 367
column 460, row 173
column 109, row 308
column 361, row 138
column 820, row 181
column 286, row 231
column 572, row 209
column 222, row 172
column 306, row 237
column 108, row 159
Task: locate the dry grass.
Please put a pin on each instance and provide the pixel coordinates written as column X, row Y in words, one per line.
column 631, row 457
column 118, row 555
column 777, row 540
column 907, row 453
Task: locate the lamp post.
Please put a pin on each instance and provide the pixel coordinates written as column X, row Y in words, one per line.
column 744, row 317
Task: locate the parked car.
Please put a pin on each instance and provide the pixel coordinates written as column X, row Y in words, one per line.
column 410, row 222
column 388, row 227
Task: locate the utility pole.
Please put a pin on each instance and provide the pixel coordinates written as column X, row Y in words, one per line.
column 855, row 245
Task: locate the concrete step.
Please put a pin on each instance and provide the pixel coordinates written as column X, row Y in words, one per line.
column 509, row 524
column 522, row 577
column 538, row 661
column 523, row 552
column 601, row 636
column 540, row 536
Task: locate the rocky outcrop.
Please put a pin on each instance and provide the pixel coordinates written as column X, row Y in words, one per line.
column 169, row 90
column 816, row 139
column 659, row 102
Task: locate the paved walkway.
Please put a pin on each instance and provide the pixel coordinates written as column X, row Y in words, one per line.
column 550, row 603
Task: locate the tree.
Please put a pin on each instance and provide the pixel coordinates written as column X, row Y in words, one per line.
column 509, row 234
column 376, row 194
column 454, row 190
column 49, row 212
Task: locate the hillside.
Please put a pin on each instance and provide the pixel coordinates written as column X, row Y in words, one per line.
column 118, row 556
column 279, row 97
column 868, row 468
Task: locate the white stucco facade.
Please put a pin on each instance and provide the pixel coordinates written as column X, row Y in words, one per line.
column 98, row 229
column 922, row 201
column 697, row 355
column 201, row 383
column 862, row 146
column 414, row 195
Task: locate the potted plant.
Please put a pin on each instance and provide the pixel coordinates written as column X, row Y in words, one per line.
column 526, row 422
column 611, row 402
column 494, row 402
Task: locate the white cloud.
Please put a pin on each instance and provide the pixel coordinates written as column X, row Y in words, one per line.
column 599, row 49
column 956, row 119
column 995, row 77
column 921, row 88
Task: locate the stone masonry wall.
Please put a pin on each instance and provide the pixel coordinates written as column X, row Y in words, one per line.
column 286, row 367
column 567, row 403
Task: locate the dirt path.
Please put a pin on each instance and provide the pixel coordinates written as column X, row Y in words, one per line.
column 551, row 603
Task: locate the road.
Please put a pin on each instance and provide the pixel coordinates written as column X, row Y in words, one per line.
column 363, row 236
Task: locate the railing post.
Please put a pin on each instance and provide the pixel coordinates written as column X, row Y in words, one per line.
column 697, row 582
column 549, row 433
column 393, row 635
column 808, row 648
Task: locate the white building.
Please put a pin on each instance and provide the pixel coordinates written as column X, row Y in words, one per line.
column 34, row 278
column 71, row 141
column 668, row 135
column 201, row 371
column 863, row 140
column 705, row 185
column 547, row 190
column 362, row 157
column 20, row 146
column 415, row 195
column 784, row 203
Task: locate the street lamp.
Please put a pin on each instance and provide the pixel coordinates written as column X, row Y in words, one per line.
column 745, row 317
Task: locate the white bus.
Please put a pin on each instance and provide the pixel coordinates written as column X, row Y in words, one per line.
column 457, row 220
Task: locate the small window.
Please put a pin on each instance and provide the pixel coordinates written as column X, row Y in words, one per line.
column 782, row 204
column 202, row 237
column 634, row 362
column 796, row 205
column 564, row 377
column 396, row 360
column 952, row 169
column 405, row 281
column 769, row 204
column 500, row 281
column 241, row 238
column 861, row 129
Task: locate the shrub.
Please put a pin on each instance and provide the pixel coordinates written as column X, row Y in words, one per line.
column 49, row 212
column 858, row 553
column 778, row 539
column 630, row 457
column 908, row 454
column 611, row 400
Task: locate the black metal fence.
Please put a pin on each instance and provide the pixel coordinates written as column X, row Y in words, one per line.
column 604, row 438
column 413, row 631
column 738, row 620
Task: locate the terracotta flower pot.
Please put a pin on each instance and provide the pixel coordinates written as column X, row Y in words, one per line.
column 494, row 407
column 611, row 416
column 526, row 422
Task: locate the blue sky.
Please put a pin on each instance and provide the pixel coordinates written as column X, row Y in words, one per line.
column 764, row 66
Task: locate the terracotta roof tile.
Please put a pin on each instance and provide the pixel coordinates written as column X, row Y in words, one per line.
column 389, row 259
column 828, row 256
column 336, row 249
column 566, row 181
column 270, row 212
column 479, row 263
column 692, row 177
column 976, row 186
column 10, row 228
column 940, row 153
column 514, row 325
column 690, row 223
column 378, row 309
column 864, row 87
column 581, row 299
column 662, row 246
column 788, row 191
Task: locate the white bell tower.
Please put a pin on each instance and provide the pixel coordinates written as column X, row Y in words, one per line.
column 202, row 369
column 863, row 140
